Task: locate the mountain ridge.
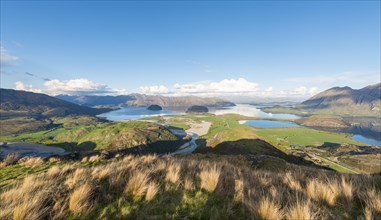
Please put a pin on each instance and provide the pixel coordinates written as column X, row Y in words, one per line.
column 346, row 101
column 36, row 103
column 142, row 100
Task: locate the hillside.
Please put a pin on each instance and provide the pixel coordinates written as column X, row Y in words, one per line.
column 138, row 137
column 92, row 100
column 183, row 187
column 29, row 103
column 145, row 100
column 346, row 101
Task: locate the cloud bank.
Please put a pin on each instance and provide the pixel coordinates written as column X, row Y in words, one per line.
column 71, row 87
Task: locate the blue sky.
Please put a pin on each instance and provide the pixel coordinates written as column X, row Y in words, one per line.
column 267, row 49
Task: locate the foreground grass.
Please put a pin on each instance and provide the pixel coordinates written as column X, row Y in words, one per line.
column 195, row 186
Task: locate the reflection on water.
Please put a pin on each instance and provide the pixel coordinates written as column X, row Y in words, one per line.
column 366, row 130
column 251, row 111
column 132, row 113
column 269, row 124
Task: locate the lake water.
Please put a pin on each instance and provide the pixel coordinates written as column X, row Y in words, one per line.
column 269, row 124
column 133, row 113
column 251, row 111
column 363, row 139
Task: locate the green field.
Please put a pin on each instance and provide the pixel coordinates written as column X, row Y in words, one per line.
column 304, row 137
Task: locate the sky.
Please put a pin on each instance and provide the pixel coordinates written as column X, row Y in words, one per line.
column 265, row 49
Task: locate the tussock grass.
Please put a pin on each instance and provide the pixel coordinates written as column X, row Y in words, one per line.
column 173, row 173
column 269, row 209
column 81, row 199
column 31, row 161
column 137, row 184
column 152, row 190
column 209, row 178
column 300, row 210
column 183, row 187
column 323, row 191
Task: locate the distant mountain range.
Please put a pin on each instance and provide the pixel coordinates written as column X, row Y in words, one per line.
column 346, row 101
column 30, row 103
column 145, row 100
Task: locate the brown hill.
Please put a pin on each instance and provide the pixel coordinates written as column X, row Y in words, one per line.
column 29, row 103
column 346, row 101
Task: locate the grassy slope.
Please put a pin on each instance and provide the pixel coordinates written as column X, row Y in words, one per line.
column 104, row 136
column 203, row 187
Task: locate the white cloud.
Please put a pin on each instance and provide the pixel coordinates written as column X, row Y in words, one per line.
column 22, row 86
column 230, row 86
column 72, row 87
column 7, row 58
column 154, row 89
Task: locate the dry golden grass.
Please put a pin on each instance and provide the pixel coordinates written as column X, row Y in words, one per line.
column 78, row 177
column 152, row 190
column 209, row 178
column 300, row 210
column 268, row 209
column 374, row 200
column 53, row 159
column 76, row 189
column 80, row 200
column 173, row 173
column 368, row 214
column 321, row 191
column 137, row 184
column 85, row 159
column 188, row 184
column 347, row 190
column 291, row 182
column 32, row 161
column 95, row 158
column 54, row 171
column 33, row 209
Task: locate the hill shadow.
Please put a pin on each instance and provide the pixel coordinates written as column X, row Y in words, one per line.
column 257, row 151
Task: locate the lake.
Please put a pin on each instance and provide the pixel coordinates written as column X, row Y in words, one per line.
column 251, row 111
column 133, row 113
